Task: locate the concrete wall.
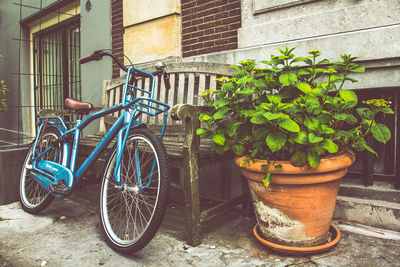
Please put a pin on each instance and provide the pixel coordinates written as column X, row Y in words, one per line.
column 369, row 29
column 13, row 158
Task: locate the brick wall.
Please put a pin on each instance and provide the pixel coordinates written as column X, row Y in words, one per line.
column 209, row 26
column 117, row 31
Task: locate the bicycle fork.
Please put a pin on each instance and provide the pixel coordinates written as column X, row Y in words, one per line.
column 121, row 143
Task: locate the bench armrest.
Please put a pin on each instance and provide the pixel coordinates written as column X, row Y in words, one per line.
column 187, row 111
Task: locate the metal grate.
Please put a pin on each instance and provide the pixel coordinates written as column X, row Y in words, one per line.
column 56, row 67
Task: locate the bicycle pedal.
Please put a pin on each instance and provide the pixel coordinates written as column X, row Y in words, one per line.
column 59, row 189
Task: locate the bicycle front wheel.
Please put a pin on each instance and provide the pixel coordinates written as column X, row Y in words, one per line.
column 131, row 212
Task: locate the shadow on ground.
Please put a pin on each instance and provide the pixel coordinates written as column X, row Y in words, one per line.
column 68, row 233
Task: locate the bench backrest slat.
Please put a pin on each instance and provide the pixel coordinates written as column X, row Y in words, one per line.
column 188, row 81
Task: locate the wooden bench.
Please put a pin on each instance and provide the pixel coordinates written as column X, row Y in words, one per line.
column 186, row 152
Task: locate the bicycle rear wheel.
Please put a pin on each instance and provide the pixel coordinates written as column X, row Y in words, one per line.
column 33, row 197
column 132, row 212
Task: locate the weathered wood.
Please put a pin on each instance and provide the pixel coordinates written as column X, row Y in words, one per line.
column 191, row 183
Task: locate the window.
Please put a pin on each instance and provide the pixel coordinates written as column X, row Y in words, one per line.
column 56, row 67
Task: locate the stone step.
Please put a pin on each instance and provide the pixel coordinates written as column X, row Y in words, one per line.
column 377, row 205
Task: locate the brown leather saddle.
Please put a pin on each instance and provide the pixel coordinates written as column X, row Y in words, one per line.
column 79, row 106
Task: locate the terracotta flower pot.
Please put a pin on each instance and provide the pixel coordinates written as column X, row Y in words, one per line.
column 296, row 209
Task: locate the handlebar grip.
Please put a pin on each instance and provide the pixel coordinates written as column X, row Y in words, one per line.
column 166, row 81
column 86, row 59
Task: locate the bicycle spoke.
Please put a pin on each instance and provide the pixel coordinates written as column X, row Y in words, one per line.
column 129, row 210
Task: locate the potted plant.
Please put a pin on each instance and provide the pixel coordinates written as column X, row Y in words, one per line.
column 293, row 128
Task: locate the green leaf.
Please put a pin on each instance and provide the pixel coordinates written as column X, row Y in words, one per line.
column 364, row 144
column 358, row 69
column 335, row 78
column 258, row 119
column 221, row 103
column 297, row 59
column 278, row 167
column 242, row 81
column 275, row 141
column 274, row 98
column 267, row 106
column 312, row 104
column 313, row 138
column 303, row 72
column 272, row 116
column 386, row 110
column 365, row 113
column 365, row 124
column 329, row 146
column 238, row 149
column 260, row 133
column 290, row 125
column 327, row 130
column 267, row 179
column 264, row 167
column 311, row 123
column 304, row 87
column 380, row 132
column 231, row 128
column 313, row 159
column 324, row 118
column 349, row 97
column 220, row 113
column 298, row 159
column 318, row 91
column 245, row 92
column 200, row 131
column 324, row 61
column 348, row 118
column 351, row 119
column 340, row 116
column 287, row 78
column 227, row 87
column 219, row 139
column 301, row 138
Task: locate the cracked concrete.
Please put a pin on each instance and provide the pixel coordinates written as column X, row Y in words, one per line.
column 49, row 239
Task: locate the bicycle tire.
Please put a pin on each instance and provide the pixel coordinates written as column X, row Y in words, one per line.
column 41, row 198
column 130, row 224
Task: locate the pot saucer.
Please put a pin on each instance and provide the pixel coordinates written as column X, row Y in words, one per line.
column 299, row 250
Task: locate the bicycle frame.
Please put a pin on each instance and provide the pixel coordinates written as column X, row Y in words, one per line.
column 132, row 108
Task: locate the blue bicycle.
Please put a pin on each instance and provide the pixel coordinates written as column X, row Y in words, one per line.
column 135, row 182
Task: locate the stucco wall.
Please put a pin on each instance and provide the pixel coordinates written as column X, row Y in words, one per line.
column 95, row 35
column 152, row 30
column 14, row 119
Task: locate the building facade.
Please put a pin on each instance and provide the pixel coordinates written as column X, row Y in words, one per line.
column 43, row 40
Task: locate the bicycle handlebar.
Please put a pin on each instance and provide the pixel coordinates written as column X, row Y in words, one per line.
column 98, row 55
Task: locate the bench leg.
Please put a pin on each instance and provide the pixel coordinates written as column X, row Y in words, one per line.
column 192, row 202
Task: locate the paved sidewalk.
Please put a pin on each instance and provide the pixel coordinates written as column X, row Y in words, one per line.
column 68, row 234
